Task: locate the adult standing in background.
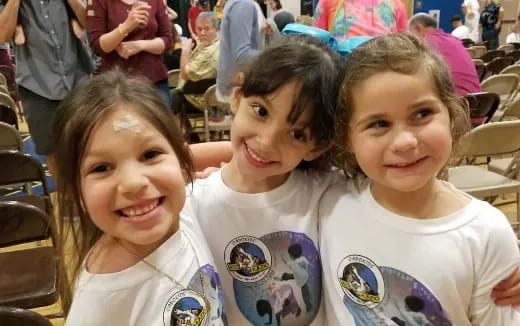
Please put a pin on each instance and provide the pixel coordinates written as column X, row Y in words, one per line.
column 50, row 63
column 455, row 55
column 347, row 18
column 491, row 22
column 196, row 8
column 132, row 35
column 239, row 40
column 470, row 9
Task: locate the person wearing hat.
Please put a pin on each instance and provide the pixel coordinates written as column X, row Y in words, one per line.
column 196, row 8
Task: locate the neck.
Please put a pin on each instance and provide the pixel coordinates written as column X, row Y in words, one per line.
column 433, row 200
column 250, row 184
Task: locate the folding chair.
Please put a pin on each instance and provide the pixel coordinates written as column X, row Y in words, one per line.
column 479, row 51
column 212, row 102
column 499, row 64
column 10, row 316
column 515, row 54
column 8, row 115
column 492, row 54
column 173, row 77
column 505, row 85
column 516, row 45
column 3, row 81
column 512, row 111
column 467, row 42
column 10, row 138
column 3, row 89
column 19, row 170
column 28, row 277
column 481, row 68
column 482, row 106
column 472, row 52
column 490, row 139
column 9, row 75
column 506, row 48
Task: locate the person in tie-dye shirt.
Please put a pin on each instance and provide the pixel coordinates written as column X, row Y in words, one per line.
column 347, row 18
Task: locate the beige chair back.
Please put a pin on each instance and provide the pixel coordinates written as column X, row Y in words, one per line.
column 472, row 52
column 3, row 89
column 3, row 81
column 495, row 138
column 512, row 111
column 477, row 61
column 6, row 100
column 506, row 48
column 479, row 51
column 505, row 85
column 173, row 77
column 514, row 69
column 10, row 138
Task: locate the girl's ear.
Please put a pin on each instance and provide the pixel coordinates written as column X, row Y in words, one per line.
column 316, row 152
column 234, row 99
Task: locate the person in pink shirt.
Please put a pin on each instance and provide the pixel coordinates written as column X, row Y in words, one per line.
column 462, row 68
column 132, row 35
column 347, row 18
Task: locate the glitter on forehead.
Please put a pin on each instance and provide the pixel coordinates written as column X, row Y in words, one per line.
column 128, row 123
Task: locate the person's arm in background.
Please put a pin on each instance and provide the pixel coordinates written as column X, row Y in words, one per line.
column 79, row 9
column 157, row 45
column 8, row 20
column 321, row 15
column 500, row 18
column 187, row 47
column 241, row 16
column 401, row 19
column 207, row 155
column 101, row 39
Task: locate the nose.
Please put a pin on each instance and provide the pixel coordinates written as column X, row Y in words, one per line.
column 132, row 180
column 404, row 140
column 267, row 137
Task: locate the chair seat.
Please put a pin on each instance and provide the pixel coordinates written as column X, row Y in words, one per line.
column 221, row 125
column 480, row 182
column 500, row 165
column 28, row 278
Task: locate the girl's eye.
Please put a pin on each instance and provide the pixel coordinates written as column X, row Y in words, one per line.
column 151, row 154
column 100, row 168
column 299, row 135
column 378, row 124
column 260, row 110
column 422, row 113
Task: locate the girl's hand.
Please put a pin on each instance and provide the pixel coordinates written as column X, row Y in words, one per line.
column 128, row 49
column 137, row 16
column 507, row 292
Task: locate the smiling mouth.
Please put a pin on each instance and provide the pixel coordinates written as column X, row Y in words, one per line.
column 407, row 164
column 134, row 211
column 256, row 157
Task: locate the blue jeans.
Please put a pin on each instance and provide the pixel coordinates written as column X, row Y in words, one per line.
column 164, row 92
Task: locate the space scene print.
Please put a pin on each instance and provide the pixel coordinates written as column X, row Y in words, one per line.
column 384, row 296
column 276, row 278
column 201, row 304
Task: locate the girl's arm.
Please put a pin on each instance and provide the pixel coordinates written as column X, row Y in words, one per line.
column 211, row 154
column 78, row 7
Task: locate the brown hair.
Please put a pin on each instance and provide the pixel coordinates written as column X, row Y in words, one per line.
column 77, row 115
column 402, row 53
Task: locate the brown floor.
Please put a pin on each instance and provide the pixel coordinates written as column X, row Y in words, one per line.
column 506, row 204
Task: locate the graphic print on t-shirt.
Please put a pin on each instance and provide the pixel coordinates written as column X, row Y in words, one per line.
column 276, row 277
column 379, row 296
column 201, row 304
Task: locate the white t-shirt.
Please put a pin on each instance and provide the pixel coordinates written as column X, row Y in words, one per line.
column 461, row 32
column 384, row 269
column 473, row 22
column 513, row 38
column 265, row 246
column 141, row 295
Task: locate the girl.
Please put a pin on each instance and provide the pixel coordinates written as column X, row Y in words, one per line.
column 133, row 259
column 398, row 245
column 258, row 213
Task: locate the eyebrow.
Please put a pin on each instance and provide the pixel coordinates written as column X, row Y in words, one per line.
column 144, row 139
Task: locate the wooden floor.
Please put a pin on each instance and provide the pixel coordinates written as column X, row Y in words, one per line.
column 506, row 204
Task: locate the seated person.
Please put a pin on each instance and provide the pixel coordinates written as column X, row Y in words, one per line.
column 514, row 36
column 460, row 31
column 198, row 67
column 172, row 56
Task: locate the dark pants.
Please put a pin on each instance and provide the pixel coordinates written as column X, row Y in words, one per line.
column 39, row 112
column 492, row 37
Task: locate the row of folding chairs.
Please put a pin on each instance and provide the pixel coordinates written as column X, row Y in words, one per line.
column 481, row 51
column 492, row 140
column 28, row 277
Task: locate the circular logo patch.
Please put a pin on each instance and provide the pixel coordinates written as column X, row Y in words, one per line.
column 247, row 259
column 361, row 280
column 185, row 308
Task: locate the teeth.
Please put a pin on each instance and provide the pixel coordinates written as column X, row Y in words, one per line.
column 129, row 212
column 256, row 157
